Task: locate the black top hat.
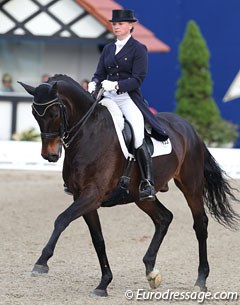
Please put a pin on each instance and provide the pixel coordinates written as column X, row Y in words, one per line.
column 122, row 15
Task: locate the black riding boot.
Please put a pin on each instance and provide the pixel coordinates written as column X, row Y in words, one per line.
column 144, row 159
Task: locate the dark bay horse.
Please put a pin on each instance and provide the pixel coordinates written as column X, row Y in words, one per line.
column 94, row 163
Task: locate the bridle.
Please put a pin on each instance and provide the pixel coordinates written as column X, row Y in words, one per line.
column 66, row 135
column 44, row 107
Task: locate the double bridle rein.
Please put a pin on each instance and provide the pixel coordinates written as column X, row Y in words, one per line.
column 64, row 133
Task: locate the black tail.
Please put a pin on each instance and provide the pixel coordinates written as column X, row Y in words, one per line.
column 218, row 193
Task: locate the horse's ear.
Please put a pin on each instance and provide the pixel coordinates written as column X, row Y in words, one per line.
column 29, row 89
column 53, row 89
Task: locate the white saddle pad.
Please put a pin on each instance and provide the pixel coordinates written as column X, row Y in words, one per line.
column 159, row 148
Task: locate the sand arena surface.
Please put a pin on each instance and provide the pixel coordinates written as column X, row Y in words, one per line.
column 29, row 204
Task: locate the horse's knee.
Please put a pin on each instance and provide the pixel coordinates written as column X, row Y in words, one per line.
column 61, row 222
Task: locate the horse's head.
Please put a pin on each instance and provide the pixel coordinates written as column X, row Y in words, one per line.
column 49, row 112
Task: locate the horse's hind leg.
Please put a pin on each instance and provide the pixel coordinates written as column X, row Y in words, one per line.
column 195, row 202
column 93, row 222
column 161, row 218
column 200, row 227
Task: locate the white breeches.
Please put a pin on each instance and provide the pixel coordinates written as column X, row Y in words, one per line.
column 131, row 113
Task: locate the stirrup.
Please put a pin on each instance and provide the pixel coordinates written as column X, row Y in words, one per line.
column 146, row 191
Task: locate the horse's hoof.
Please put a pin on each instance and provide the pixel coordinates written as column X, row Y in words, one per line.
column 199, row 288
column 154, row 279
column 99, row 293
column 39, row 269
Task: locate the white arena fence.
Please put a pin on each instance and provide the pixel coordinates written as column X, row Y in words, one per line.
column 20, row 155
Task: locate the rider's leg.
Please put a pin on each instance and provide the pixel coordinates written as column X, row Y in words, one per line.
column 146, row 188
column 143, row 156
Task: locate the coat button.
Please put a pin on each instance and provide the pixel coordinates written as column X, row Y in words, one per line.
column 117, row 74
column 109, row 67
column 117, row 67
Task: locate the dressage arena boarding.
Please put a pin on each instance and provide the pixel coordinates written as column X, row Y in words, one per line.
column 31, row 199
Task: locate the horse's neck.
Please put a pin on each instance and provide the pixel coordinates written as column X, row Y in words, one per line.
column 77, row 104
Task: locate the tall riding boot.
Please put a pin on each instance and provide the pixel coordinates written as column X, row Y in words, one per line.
column 144, row 159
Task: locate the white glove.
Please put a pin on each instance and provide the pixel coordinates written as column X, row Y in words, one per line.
column 91, row 87
column 109, row 85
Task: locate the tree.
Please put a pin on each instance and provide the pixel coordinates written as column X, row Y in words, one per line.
column 194, row 92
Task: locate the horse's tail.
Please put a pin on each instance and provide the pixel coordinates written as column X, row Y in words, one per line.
column 218, row 193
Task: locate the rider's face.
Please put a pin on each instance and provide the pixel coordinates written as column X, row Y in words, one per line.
column 122, row 29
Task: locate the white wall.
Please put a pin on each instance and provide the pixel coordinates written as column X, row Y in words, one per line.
column 27, row 156
column 25, row 119
column 5, row 120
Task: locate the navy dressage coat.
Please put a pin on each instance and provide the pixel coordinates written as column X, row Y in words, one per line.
column 129, row 68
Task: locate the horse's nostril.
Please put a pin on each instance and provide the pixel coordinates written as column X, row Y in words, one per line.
column 52, row 158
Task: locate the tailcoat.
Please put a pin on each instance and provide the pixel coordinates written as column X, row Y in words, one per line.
column 129, row 68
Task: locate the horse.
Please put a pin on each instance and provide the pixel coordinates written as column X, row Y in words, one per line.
column 69, row 117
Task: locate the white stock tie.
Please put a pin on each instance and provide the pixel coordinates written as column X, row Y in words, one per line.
column 119, row 46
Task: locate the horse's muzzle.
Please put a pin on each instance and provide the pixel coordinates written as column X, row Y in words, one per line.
column 51, row 157
column 51, row 150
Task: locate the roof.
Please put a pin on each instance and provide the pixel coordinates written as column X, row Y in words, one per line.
column 102, row 11
column 81, row 21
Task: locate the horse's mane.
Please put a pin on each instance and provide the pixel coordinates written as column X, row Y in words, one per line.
column 72, row 83
column 64, row 77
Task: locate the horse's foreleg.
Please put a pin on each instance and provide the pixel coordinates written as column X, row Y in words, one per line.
column 161, row 218
column 79, row 207
column 93, row 222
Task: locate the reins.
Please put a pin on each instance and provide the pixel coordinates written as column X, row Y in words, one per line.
column 82, row 121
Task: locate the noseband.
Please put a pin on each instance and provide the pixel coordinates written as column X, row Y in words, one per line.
column 63, row 132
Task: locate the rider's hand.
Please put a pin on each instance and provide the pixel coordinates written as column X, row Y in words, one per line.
column 109, row 85
column 91, row 87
